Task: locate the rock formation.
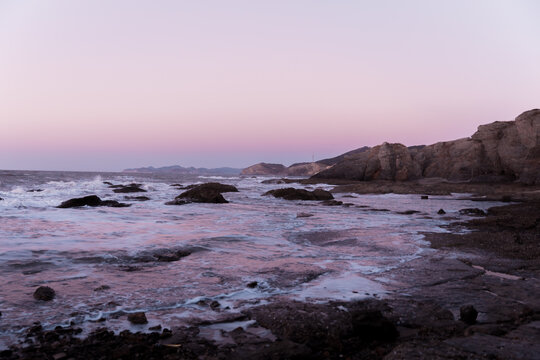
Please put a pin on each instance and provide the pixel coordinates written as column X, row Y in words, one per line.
column 265, row 169
column 500, row 151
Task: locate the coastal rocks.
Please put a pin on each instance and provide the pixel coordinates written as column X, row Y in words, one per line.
column 497, row 152
column 265, row 169
column 384, row 162
column 204, row 193
column 138, row 318
column 303, row 215
column 441, row 212
column 91, row 200
column 44, row 293
column 300, row 194
column 298, row 169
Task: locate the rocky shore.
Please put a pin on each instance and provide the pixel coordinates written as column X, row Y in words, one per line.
column 474, row 297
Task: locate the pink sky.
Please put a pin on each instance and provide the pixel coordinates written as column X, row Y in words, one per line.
column 106, row 85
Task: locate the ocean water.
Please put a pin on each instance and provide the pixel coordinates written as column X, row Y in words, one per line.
column 101, row 260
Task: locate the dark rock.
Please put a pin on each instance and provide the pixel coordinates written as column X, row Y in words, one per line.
column 138, row 318
column 303, row 215
column 424, row 197
column 102, row 287
column 154, row 328
column 300, row 194
column 171, row 256
column 332, row 203
column 441, row 212
column 468, row 314
column 108, row 183
column 35, row 190
column 44, row 293
column 215, row 305
column 91, row 200
column 408, row 212
column 137, row 198
column 472, row 211
column 1, row 199
column 204, row 193
column 131, row 188
column 252, row 284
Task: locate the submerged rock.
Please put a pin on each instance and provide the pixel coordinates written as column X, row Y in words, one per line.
column 44, row 293
column 300, row 194
column 441, row 212
column 137, row 198
column 91, row 200
column 303, row 215
column 472, row 211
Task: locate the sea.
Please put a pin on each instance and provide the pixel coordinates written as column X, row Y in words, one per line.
column 102, row 262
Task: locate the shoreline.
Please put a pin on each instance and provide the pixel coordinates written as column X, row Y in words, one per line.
column 498, row 277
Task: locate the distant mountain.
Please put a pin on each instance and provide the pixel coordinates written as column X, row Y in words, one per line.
column 177, row 169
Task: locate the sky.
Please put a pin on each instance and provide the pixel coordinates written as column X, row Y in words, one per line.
column 114, row 84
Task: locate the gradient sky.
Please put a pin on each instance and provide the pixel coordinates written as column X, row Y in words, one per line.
column 111, row 84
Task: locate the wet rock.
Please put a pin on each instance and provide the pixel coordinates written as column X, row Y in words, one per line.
column 332, row 203
column 472, row 211
column 91, row 200
column 102, row 288
column 300, row 194
column 34, row 190
column 408, row 212
column 204, row 193
column 215, row 305
column 108, row 183
column 250, row 285
column 424, row 197
column 468, row 314
column 44, row 293
column 138, row 318
column 441, row 212
column 155, row 328
column 131, row 188
column 137, row 198
column 1, row 199
column 303, row 215
column 171, row 256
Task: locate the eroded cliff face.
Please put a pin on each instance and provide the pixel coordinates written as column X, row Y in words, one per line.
column 500, row 151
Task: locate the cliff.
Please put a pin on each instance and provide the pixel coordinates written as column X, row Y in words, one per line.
column 497, row 152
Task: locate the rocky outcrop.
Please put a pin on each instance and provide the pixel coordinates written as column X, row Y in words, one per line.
column 306, row 169
column 383, row 162
column 300, row 194
column 91, row 200
column 204, row 193
column 265, row 169
column 298, row 169
column 497, row 152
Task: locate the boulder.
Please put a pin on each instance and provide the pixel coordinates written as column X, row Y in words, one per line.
column 131, row 188
column 137, row 198
column 138, row 318
column 204, row 193
column 91, row 200
column 300, row 194
column 44, row 293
